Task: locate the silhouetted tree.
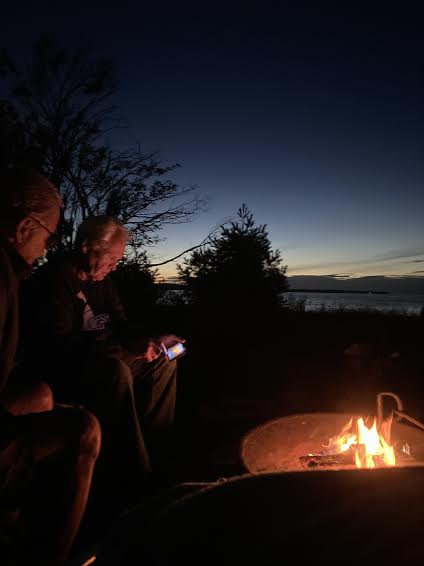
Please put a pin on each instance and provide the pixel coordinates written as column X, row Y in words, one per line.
column 237, row 271
column 56, row 117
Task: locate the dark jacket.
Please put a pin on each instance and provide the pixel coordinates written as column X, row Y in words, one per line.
column 12, row 269
column 65, row 314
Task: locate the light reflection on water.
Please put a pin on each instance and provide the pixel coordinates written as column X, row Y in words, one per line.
column 311, row 301
column 399, row 303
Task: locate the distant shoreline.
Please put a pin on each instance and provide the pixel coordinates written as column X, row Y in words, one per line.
column 165, row 286
column 337, row 291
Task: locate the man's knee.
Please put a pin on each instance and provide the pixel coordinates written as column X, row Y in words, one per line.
column 90, row 435
column 35, row 398
column 44, row 395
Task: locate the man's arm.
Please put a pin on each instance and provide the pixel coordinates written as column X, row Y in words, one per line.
column 52, row 315
column 4, row 316
column 3, row 311
column 7, row 423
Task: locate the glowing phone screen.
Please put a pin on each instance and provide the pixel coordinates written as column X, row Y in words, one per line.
column 175, row 351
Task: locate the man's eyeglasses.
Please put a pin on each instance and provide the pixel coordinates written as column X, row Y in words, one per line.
column 52, row 240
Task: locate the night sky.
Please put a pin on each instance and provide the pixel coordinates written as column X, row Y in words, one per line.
column 313, row 116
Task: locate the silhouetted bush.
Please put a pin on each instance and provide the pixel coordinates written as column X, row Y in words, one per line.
column 238, row 273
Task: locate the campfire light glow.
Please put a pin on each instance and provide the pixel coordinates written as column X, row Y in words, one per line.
column 370, row 446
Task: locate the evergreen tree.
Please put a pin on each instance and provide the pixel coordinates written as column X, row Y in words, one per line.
column 238, row 271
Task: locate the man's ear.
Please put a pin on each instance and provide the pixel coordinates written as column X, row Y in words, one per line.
column 24, row 231
column 85, row 248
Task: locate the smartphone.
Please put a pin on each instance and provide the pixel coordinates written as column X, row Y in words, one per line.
column 174, row 351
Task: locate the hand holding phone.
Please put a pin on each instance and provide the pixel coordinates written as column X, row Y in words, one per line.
column 172, row 345
column 174, row 351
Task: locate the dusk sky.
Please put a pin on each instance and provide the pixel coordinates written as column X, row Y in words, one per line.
column 313, row 116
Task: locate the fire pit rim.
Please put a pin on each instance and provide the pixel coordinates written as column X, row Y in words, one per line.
column 244, row 445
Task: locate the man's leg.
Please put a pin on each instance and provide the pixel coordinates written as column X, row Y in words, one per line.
column 63, row 445
column 104, row 385
column 155, row 390
column 155, row 387
column 109, row 394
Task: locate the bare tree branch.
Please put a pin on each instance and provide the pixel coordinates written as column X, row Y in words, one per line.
column 205, row 241
column 58, row 115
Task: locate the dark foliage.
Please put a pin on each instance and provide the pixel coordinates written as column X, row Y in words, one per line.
column 57, row 116
column 237, row 271
column 136, row 286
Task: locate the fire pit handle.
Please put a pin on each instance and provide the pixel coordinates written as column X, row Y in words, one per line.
column 399, row 404
column 398, row 413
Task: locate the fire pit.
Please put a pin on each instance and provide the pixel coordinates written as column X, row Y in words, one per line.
column 349, row 517
column 302, row 442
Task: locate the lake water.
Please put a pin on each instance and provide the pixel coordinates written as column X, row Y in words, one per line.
column 405, row 304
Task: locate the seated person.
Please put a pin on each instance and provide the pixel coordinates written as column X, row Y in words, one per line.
column 47, row 454
column 123, row 378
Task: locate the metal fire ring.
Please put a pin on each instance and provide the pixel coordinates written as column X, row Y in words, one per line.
column 278, row 445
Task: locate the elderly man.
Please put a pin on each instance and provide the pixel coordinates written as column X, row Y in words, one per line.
column 33, row 439
column 122, row 376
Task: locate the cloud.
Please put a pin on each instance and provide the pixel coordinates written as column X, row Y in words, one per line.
column 372, row 283
column 355, row 265
column 399, row 254
column 320, row 266
column 339, row 275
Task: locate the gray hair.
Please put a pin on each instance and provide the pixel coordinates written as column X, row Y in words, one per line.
column 23, row 192
column 99, row 232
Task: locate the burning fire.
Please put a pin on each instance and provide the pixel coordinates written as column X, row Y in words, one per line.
column 370, row 446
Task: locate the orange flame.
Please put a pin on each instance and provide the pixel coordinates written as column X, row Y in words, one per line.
column 369, row 445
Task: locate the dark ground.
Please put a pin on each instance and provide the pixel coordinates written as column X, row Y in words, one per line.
column 237, row 376
column 238, row 373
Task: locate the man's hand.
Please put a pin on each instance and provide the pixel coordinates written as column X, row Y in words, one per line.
column 154, row 350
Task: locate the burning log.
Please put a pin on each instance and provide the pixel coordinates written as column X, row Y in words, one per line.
column 368, row 446
column 356, row 455
column 324, row 460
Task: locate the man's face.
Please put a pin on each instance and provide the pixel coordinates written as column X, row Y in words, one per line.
column 102, row 263
column 33, row 234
